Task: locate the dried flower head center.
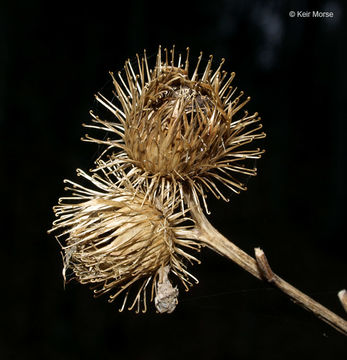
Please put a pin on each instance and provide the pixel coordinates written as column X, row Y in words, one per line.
column 143, row 232
column 175, row 121
column 174, row 86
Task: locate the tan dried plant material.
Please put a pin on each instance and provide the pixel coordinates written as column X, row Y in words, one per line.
column 174, row 135
column 116, row 237
column 179, row 129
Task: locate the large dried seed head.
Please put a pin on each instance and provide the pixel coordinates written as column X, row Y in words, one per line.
column 180, row 129
column 115, row 237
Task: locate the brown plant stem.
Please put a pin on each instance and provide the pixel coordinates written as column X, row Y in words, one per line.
column 259, row 267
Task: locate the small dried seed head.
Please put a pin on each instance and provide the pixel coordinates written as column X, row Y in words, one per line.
column 179, row 129
column 115, row 237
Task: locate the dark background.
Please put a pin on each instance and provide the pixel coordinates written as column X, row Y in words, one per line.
column 55, row 56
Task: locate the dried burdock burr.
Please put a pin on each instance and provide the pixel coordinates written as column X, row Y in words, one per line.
column 174, row 138
column 179, row 129
column 116, row 237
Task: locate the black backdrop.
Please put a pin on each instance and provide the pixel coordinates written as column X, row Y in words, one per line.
column 55, row 56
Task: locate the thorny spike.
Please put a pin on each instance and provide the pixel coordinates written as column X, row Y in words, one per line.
column 110, row 106
column 187, row 60
column 197, row 67
column 158, row 65
column 179, row 60
column 173, row 56
column 217, row 72
column 226, row 85
column 134, row 78
column 123, row 83
column 140, row 64
column 166, row 57
column 146, row 66
column 207, row 70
